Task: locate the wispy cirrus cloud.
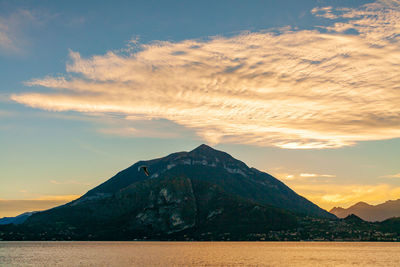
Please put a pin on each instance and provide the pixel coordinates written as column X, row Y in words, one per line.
column 316, row 175
column 397, row 175
column 10, row 27
column 324, row 12
column 296, row 89
column 302, row 176
column 15, row 27
column 5, row 38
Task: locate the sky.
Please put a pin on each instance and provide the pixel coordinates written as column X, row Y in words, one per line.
column 307, row 91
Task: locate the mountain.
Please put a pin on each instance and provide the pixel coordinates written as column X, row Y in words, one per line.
column 217, row 167
column 369, row 212
column 17, row 219
column 197, row 193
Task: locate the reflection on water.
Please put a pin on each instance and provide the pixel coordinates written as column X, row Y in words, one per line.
column 198, row 254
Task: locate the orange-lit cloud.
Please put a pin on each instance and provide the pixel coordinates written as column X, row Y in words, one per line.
column 324, row 12
column 397, row 175
column 296, row 89
column 316, row 175
column 289, row 177
column 303, row 176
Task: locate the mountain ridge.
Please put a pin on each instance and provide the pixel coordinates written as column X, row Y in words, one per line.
column 19, row 219
column 367, row 212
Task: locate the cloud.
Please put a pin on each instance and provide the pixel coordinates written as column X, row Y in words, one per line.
column 122, row 131
column 5, row 38
column 309, row 89
column 14, row 27
column 289, row 177
column 397, row 175
column 302, row 176
column 8, row 31
column 316, row 175
column 324, row 12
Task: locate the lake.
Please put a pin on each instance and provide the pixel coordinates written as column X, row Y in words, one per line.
column 199, row 254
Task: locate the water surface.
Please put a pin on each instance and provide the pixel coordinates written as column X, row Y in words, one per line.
column 199, row 254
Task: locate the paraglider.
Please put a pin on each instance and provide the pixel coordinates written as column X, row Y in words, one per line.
column 145, row 169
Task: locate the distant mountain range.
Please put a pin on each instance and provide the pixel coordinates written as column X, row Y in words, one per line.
column 196, row 192
column 371, row 213
column 16, row 220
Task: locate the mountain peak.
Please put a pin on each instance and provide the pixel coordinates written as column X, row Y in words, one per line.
column 353, row 218
column 204, row 148
column 335, row 209
column 204, row 151
column 361, row 204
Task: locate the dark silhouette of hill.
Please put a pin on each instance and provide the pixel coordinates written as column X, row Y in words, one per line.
column 17, row 219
